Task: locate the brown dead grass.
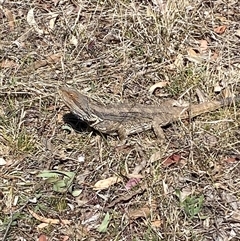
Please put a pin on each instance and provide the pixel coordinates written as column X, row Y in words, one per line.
column 115, row 51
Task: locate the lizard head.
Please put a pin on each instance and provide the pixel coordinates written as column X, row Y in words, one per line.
column 78, row 104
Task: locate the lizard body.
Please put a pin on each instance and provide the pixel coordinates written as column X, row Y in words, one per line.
column 127, row 119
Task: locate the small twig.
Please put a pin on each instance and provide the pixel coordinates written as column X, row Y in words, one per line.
column 8, row 227
column 11, row 220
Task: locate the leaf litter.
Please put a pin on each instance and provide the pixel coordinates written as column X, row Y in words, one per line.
column 117, row 52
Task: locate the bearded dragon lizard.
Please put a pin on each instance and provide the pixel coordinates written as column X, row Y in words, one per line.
column 128, row 119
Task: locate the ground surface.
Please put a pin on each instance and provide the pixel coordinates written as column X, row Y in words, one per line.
column 115, row 51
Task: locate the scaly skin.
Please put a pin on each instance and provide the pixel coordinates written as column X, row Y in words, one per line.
column 127, row 119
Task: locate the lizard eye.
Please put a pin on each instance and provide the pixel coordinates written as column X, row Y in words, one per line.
column 73, row 95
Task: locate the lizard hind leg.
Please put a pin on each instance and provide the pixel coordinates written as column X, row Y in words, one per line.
column 158, row 130
column 122, row 133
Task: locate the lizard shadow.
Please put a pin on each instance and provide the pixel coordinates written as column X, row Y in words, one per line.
column 77, row 124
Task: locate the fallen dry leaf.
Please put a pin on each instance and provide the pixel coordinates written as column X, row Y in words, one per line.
column 132, row 183
column 184, row 193
column 42, row 237
column 8, row 63
column 157, row 223
column 49, row 220
column 227, row 92
column 157, row 85
column 74, row 40
column 214, row 56
column 51, row 59
column 221, row 18
column 200, row 95
column 203, row 45
column 220, row 29
column 235, row 216
column 2, row 161
column 20, row 40
column 165, row 187
column 65, row 238
column 193, row 56
column 139, row 167
column 53, row 20
column 30, row 17
column 31, row 21
column 10, row 18
column 106, row 183
column 123, row 148
column 128, row 196
column 174, row 158
column 55, row 2
column 156, row 156
column 231, row 160
column 133, row 175
column 218, row 88
column 42, row 226
column 238, row 33
column 143, row 212
column 178, row 63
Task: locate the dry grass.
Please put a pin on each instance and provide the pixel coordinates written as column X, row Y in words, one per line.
column 115, row 51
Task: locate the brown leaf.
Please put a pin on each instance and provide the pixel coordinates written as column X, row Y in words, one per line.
column 156, row 156
column 65, row 238
column 174, row 158
column 55, row 2
column 42, row 226
column 128, row 196
column 8, row 64
column 220, row 29
column 178, row 63
column 193, row 56
column 106, row 183
column 214, row 56
column 139, row 167
column 227, row 92
column 203, row 45
column 48, row 220
column 51, row 59
column 125, row 148
column 42, row 237
column 235, row 216
column 231, row 160
column 132, row 183
column 10, row 18
column 134, row 175
column 157, row 223
column 143, row 212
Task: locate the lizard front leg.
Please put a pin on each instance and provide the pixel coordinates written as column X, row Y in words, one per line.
column 111, row 128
